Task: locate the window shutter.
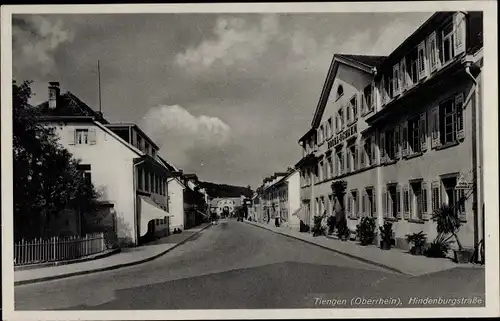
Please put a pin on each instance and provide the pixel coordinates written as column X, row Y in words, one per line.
column 371, row 103
column 395, row 80
column 459, row 33
column 374, row 202
column 398, row 201
column 433, row 51
column 383, row 94
column 404, row 138
column 72, row 140
column 406, row 202
column 382, row 147
column 349, row 205
column 396, row 136
column 362, row 154
column 364, row 104
column 425, row 201
column 403, row 75
column 459, row 110
column 436, row 201
column 434, row 121
column 92, row 136
column 363, row 203
column 384, row 204
column 357, row 207
column 462, row 214
column 373, row 155
column 356, row 157
column 422, row 73
column 423, row 131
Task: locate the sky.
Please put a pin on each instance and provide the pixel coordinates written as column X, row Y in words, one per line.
column 225, row 96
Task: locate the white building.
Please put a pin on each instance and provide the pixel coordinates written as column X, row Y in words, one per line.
column 121, row 162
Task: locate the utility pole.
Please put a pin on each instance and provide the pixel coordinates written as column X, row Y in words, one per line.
column 99, row 85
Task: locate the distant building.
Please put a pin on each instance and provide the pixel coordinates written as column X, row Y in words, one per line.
column 218, row 205
column 402, row 130
column 120, row 160
column 195, row 205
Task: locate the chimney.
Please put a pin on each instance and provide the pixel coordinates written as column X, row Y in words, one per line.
column 54, row 92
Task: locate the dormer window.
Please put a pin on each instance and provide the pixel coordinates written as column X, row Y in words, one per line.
column 340, row 91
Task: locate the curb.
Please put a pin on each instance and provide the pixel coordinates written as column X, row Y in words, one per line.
column 108, row 268
column 80, row 260
column 358, row 258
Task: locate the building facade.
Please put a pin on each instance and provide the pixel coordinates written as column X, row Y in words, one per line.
column 402, row 130
column 279, row 197
column 119, row 160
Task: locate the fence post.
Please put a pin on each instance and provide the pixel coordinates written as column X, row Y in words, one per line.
column 53, row 248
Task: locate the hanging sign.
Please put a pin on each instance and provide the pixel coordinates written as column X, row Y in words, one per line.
column 463, row 183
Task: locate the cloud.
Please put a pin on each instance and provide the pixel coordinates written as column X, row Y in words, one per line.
column 235, row 41
column 35, row 40
column 178, row 132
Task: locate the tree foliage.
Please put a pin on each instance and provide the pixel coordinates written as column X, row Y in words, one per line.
column 46, row 176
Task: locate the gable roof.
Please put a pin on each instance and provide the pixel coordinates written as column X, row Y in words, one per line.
column 361, row 62
column 70, row 105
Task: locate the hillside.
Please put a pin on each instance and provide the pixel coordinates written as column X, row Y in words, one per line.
column 223, row 190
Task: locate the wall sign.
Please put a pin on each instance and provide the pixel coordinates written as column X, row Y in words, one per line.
column 348, row 133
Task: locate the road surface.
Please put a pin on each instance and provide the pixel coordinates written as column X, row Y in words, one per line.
column 236, row 265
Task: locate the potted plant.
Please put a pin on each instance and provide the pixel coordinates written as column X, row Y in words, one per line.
column 318, row 228
column 386, row 236
column 448, row 223
column 439, row 247
column 343, row 230
column 418, row 241
column 366, row 230
column 330, row 221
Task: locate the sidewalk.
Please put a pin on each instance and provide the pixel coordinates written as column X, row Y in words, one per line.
column 127, row 257
column 395, row 259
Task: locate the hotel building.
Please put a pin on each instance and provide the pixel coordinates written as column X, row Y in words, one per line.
column 402, row 130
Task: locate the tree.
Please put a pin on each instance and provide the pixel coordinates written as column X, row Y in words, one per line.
column 46, row 176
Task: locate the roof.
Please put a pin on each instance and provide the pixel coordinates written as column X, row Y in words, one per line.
column 70, row 105
column 371, row 61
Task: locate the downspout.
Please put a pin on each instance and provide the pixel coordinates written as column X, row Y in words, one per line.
column 137, row 233
column 476, row 168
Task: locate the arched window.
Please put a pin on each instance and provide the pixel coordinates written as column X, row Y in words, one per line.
column 340, row 91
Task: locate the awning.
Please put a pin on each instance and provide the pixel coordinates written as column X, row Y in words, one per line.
column 149, row 211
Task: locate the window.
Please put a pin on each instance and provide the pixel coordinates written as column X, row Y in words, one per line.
column 392, row 201
column 330, row 127
column 414, row 134
column 340, row 120
column 367, row 93
column 406, row 200
column 354, row 201
column 139, row 143
column 418, row 201
column 371, row 202
column 354, row 107
column 140, row 184
column 320, row 169
column 330, row 164
column 340, row 91
column 82, row 136
column 339, row 161
column 413, row 66
column 352, row 159
column 447, row 43
column 421, row 60
column 433, row 57
column 395, row 80
column 447, row 121
column 389, row 144
column 146, row 148
column 368, row 151
column 435, row 196
column 388, row 86
column 146, row 181
column 85, row 170
column 455, row 198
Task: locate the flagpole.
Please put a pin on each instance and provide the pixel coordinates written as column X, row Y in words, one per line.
column 99, row 84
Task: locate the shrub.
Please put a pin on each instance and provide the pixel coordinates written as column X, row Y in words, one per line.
column 343, row 230
column 331, row 224
column 448, row 221
column 386, row 235
column 366, row 230
column 417, row 239
column 439, row 247
column 318, row 228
